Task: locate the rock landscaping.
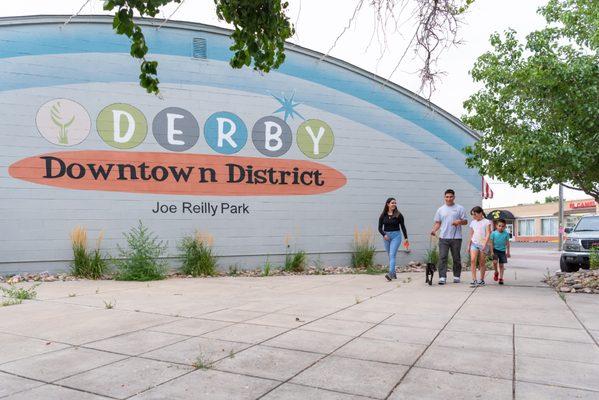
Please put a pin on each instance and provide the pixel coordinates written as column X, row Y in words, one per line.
column 584, row 281
column 412, row 266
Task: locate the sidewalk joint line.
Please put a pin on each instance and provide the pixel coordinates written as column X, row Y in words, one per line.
column 430, row 344
column 513, row 361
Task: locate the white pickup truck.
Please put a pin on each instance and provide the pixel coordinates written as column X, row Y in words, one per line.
column 578, row 244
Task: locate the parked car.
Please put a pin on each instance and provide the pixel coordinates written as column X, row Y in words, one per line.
column 578, row 244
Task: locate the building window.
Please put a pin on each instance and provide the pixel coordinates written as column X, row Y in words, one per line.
column 549, row 226
column 526, row 227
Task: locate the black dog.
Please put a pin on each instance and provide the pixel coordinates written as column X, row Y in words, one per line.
column 430, row 272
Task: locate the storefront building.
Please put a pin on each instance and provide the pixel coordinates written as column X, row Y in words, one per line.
column 296, row 159
column 540, row 222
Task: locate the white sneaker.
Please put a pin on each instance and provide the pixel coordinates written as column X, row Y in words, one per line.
column 456, row 279
column 441, row 281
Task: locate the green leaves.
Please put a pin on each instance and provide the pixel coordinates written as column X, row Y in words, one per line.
column 260, row 30
column 539, row 106
column 124, row 24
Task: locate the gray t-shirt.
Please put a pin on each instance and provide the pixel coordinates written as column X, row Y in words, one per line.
column 446, row 215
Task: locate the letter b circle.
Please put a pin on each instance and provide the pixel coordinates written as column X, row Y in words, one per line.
column 272, row 136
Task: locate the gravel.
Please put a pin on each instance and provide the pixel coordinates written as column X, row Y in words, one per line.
column 585, row 281
column 312, row 270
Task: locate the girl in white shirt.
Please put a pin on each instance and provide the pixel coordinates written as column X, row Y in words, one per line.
column 480, row 230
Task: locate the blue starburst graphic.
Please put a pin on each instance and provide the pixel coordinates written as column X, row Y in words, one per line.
column 288, row 106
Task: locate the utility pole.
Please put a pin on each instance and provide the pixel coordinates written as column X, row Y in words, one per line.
column 561, row 217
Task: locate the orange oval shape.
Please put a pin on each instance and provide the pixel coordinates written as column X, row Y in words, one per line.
column 182, row 174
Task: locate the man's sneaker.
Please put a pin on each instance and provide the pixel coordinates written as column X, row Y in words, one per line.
column 388, row 277
column 441, row 281
column 501, row 281
column 456, row 279
column 394, row 276
column 473, row 284
column 481, row 283
column 496, row 276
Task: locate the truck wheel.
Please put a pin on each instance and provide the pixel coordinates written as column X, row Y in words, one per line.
column 567, row 267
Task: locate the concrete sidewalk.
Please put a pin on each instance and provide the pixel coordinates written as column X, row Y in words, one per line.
column 320, row 337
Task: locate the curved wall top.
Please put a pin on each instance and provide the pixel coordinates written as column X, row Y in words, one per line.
column 389, row 105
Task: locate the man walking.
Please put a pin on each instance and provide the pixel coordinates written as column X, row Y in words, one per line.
column 449, row 218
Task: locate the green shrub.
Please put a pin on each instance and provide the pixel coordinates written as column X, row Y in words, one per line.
column 140, row 261
column 467, row 259
column 233, row 270
column 86, row 264
column 295, row 262
column 267, row 268
column 594, row 257
column 432, row 255
column 363, row 249
column 198, row 257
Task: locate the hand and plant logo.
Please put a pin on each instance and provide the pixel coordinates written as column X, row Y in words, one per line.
column 57, row 118
column 63, row 122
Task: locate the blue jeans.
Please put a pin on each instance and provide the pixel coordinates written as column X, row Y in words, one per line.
column 391, row 247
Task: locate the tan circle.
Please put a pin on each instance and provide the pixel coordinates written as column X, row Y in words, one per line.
column 63, row 122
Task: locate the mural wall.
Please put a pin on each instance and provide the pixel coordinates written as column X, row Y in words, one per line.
column 309, row 152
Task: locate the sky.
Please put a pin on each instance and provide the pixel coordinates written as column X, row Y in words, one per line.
column 319, row 25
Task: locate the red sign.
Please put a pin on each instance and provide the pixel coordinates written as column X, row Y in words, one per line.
column 582, row 204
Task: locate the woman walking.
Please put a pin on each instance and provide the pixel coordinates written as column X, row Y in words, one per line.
column 391, row 226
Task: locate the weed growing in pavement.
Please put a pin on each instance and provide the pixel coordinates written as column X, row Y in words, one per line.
column 201, row 362
column 231, row 354
column 109, row 305
column 20, row 293
column 375, row 270
column 72, row 294
column 140, row 260
column 198, row 256
column 10, row 302
column 363, row 249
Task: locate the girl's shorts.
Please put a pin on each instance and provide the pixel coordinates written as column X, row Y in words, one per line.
column 478, row 247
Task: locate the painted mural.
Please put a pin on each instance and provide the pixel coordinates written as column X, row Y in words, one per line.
column 310, row 151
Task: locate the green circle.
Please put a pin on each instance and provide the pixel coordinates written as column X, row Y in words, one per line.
column 306, row 143
column 125, row 137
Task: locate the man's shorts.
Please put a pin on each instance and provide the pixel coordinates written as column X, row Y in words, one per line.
column 500, row 256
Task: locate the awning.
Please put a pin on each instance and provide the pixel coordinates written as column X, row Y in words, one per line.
column 500, row 214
